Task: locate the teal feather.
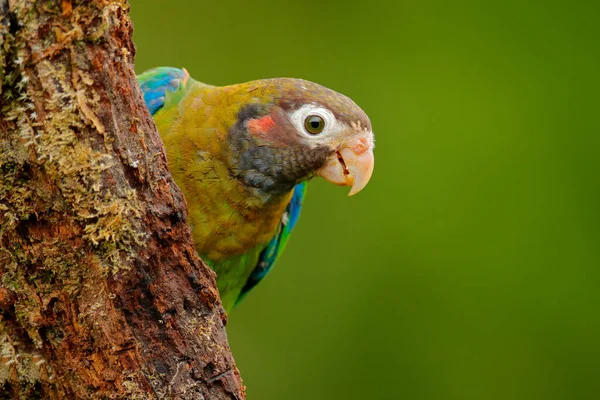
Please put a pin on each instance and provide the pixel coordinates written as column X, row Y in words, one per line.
column 269, row 254
column 156, row 82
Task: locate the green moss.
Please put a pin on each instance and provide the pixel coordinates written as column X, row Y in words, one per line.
column 53, row 191
column 29, row 366
column 74, row 166
column 133, row 390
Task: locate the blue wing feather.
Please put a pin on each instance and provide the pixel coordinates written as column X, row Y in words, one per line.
column 156, row 82
column 267, row 257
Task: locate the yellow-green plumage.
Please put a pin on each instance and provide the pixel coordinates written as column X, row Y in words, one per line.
column 226, row 219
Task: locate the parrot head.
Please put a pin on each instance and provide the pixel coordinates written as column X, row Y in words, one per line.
column 291, row 130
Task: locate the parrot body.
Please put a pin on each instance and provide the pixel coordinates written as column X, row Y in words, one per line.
column 234, row 153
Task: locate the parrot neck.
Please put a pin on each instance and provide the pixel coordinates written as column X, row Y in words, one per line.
column 228, row 216
column 231, row 210
column 229, row 219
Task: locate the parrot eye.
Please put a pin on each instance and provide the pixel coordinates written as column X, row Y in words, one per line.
column 314, row 124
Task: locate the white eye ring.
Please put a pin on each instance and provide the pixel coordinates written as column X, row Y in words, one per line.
column 299, row 118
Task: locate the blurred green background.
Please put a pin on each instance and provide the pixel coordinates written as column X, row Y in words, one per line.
column 469, row 268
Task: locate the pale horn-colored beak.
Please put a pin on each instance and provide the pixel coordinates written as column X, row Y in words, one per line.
column 350, row 166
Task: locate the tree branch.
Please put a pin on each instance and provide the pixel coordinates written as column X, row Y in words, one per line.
column 102, row 294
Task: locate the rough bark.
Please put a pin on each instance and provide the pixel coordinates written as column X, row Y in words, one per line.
column 102, row 294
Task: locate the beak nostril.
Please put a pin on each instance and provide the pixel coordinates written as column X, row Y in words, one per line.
column 361, row 146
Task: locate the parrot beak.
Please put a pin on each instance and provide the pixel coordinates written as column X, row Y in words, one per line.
column 352, row 165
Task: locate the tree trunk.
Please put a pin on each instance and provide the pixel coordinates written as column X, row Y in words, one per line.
column 102, row 294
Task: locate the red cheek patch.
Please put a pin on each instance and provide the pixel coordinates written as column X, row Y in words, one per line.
column 261, row 125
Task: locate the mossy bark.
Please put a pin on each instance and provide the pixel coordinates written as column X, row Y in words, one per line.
column 102, row 294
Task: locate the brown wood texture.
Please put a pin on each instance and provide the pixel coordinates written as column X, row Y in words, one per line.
column 102, row 294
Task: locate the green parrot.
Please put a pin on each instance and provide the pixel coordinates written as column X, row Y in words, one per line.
column 242, row 154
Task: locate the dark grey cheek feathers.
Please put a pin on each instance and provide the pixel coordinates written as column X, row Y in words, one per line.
column 278, row 169
column 271, row 169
